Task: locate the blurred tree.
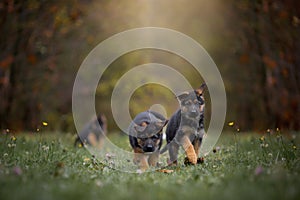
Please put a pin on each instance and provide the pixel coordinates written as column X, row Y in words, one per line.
column 28, row 57
column 268, row 33
column 253, row 42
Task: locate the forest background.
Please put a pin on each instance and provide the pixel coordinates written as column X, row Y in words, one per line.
column 254, row 43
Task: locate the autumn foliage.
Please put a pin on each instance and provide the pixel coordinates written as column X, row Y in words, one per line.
column 255, row 44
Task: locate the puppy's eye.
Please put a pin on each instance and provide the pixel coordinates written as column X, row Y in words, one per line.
column 155, row 137
column 187, row 103
column 143, row 139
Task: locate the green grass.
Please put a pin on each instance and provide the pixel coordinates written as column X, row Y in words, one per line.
column 245, row 166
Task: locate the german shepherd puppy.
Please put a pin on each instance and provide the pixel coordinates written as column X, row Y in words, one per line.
column 186, row 126
column 145, row 137
column 92, row 134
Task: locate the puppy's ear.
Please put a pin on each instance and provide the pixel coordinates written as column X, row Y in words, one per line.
column 143, row 124
column 201, row 89
column 161, row 124
column 183, row 95
column 140, row 128
column 166, row 121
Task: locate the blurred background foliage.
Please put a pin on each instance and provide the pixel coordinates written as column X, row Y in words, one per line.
column 254, row 43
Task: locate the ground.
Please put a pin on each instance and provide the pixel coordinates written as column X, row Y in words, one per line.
column 242, row 166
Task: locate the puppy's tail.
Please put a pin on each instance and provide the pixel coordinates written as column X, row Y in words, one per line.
column 164, row 149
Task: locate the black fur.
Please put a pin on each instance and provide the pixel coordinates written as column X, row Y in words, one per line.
column 150, row 134
column 186, row 121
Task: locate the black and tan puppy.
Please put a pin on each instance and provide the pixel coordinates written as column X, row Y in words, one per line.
column 186, row 126
column 93, row 132
column 145, row 137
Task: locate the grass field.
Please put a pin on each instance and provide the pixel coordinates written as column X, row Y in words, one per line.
column 244, row 166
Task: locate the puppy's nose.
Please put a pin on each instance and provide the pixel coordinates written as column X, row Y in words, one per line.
column 149, row 148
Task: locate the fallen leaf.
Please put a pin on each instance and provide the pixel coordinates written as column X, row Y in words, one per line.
column 167, row 171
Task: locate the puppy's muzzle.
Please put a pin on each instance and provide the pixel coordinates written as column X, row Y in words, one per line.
column 194, row 112
column 148, row 148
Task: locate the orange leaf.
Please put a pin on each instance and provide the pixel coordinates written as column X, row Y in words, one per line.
column 283, row 14
column 32, row 59
column 269, row 62
column 6, row 62
column 285, row 72
column 167, row 171
column 244, row 59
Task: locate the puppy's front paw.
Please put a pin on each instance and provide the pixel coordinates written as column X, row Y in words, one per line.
column 200, row 160
column 172, row 163
column 192, row 159
column 187, row 161
column 136, row 160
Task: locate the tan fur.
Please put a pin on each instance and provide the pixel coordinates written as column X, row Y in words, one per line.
column 140, row 159
column 189, row 150
column 197, row 147
column 136, row 158
column 144, row 124
column 94, row 142
column 144, row 160
column 153, row 159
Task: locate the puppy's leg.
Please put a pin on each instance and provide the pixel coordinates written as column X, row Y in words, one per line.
column 100, row 143
column 92, row 139
column 140, row 159
column 143, row 162
column 189, row 149
column 196, row 143
column 136, row 155
column 173, row 152
column 153, row 159
column 100, row 140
